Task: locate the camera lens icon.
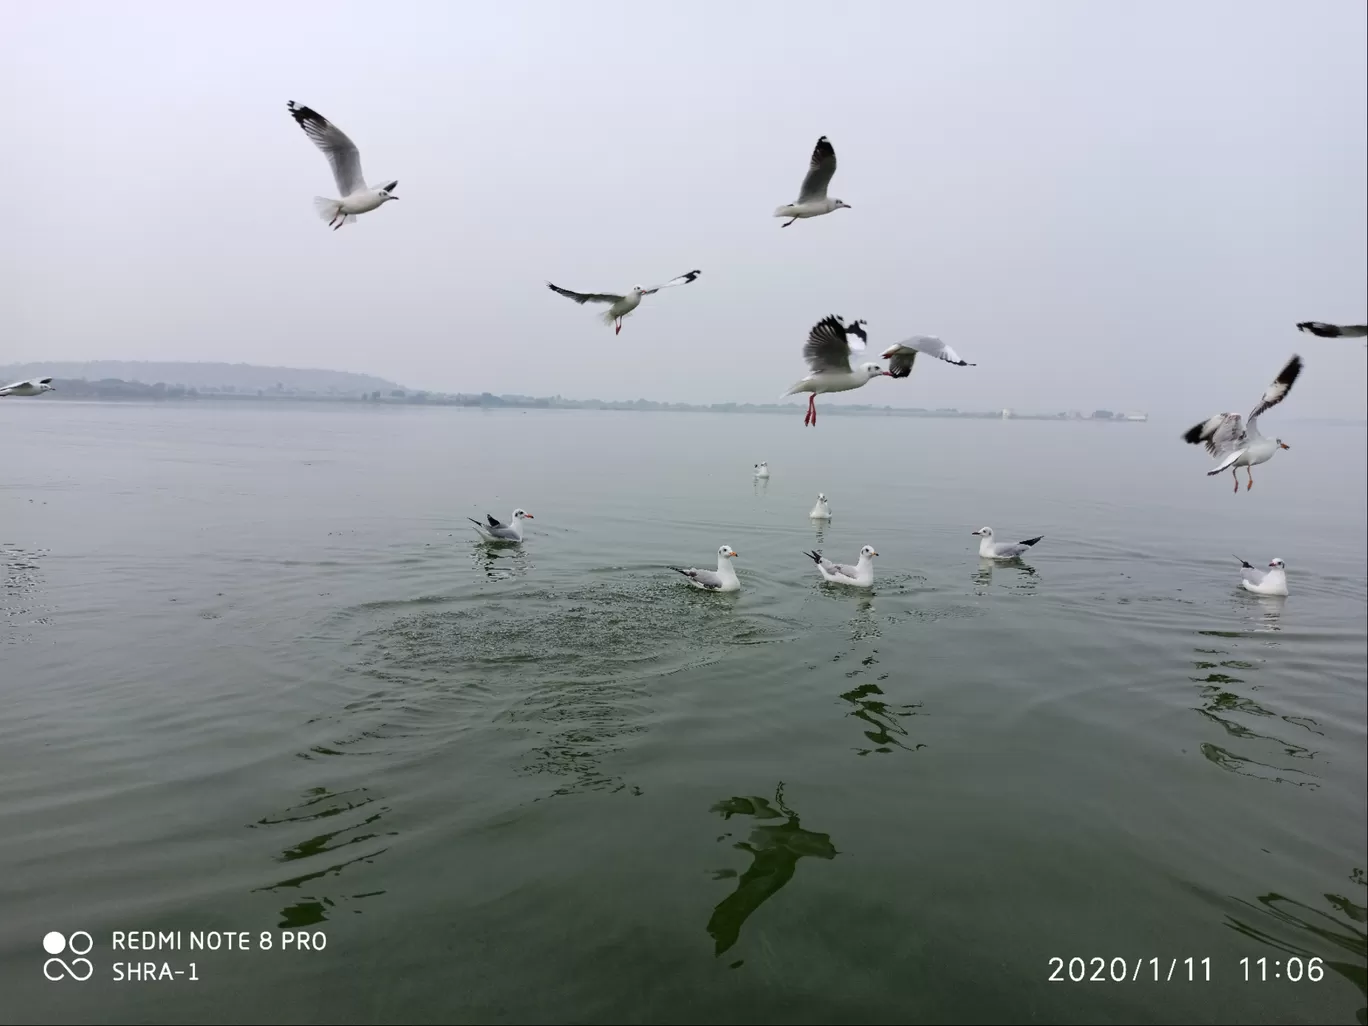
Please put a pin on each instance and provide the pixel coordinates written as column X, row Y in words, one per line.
column 79, row 943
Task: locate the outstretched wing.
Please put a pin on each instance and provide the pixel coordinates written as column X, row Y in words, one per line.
column 1221, row 434
column 1276, row 392
column 827, row 347
column 585, row 297
column 904, row 354
column 683, row 279
column 1333, row 330
column 15, row 384
column 820, row 170
column 340, row 151
column 492, row 522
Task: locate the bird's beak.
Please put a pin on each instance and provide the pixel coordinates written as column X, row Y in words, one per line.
column 876, row 553
column 733, row 553
column 528, row 516
column 975, row 532
column 1285, row 445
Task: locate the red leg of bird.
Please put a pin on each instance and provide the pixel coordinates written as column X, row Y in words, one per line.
column 1250, row 472
column 617, row 326
column 1236, row 475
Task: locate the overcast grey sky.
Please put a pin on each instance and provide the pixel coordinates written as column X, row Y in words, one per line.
column 1126, row 205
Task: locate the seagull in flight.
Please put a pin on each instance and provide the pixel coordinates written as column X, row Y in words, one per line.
column 357, row 197
column 812, row 197
column 1240, row 445
column 904, row 354
column 497, row 532
column 1333, row 330
column 827, row 352
column 31, row 387
column 621, row 306
column 723, row 579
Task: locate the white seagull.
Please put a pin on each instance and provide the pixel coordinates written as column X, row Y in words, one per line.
column 827, row 352
column 762, row 469
column 821, row 511
column 1333, row 330
column 1241, row 445
column 621, row 306
column 32, row 387
column 990, row 549
column 497, row 532
column 904, row 354
column 357, row 196
column 812, row 197
column 723, row 579
column 1272, row 581
column 861, row 575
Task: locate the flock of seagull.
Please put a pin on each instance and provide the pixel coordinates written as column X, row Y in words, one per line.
column 827, row 352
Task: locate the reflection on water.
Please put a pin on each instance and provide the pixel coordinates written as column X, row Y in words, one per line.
column 1342, row 929
column 868, row 705
column 22, row 579
column 1266, row 611
column 500, row 561
column 1224, row 707
column 1017, row 575
column 774, row 849
column 329, row 846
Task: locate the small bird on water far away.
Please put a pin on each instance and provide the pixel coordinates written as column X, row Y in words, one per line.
column 762, row 469
column 821, row 511
column 1241, row 445
column 827, row 352
column 621, row 306
column 342, row 154
column 1272, row 581
column 509, row 532
column 31, row 387
column 989, row 549
column 861, row 575
column 812, row 197
column 723, row 579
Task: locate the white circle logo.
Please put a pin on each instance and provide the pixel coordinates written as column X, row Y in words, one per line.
column 80, row 969
column 54, row 943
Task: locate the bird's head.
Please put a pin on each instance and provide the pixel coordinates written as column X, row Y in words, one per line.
column 522, row 514
column 821, row 497
column 873, row 370
column 1282, row 444
column 727, row 552
column 387, row 192
column 868, row 552
column 637, row 290
column 984, row 532
column 1277, row 564
column 842, row 203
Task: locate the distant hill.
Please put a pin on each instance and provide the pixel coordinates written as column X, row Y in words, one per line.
column 206, row 377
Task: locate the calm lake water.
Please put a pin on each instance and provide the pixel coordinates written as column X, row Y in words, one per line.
column 258, row 674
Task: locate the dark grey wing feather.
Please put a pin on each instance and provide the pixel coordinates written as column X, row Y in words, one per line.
column 1277, row 392
column 1221, row 434
column 820, row 170
column 683, row 279
column 1333, row 330
column 900, row 363
column 827, row 348
column 585, row 297
column 340, row 151
column 493, row 522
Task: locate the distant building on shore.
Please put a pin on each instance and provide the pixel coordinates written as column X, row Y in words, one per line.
column 1006, row 413
column 1135, row 416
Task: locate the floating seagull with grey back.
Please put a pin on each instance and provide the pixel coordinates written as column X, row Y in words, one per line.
column 357, row 197
column 812, row 197
column 497, row 532
column 827, row 352
column 861, row 575
column 902, row 356
column 990, row 549
column 621, row 305
column 821, row 511
column 1240, row 445
column 723, row 579
column 1272, row 581
column 36, row 386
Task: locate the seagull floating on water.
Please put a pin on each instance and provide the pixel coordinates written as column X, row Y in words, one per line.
column 621, row 306
column 989, row 549
column 812, row 197
column 1333, row 330
column 35, row 386
column 342, row 154
column 827, row 352
column 722, row 579
column 904, row 354
column 821, row 511
column 861, row 575
column 497, row 532
column 1272, row 581
column 762, row 469
column 1241, row 445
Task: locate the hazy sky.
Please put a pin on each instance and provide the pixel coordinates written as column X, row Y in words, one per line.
column 1101, row 203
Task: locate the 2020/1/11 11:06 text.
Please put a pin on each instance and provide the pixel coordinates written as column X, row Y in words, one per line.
column 1189, row 970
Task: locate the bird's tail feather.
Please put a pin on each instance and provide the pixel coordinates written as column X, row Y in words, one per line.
column 1032, row 541
column 781, row 211
column 609, row 317
column 677, row 570
column 1226, row 463
column 1247, row 566
column 814, row 555
column 328, row 209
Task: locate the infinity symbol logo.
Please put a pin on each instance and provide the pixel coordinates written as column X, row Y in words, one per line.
column 73, row 970
column 79, row 943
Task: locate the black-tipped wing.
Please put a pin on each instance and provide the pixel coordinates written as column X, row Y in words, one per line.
column 704, row 578
column 340, row 151
column 902, row 356
column 492, row 522
column 827, row 347
column 585, row 297
column 820, row 170
column 683, row 279
column 1333, row 330
column 1277, row 392
column 44, row 381
column 1221, row 434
